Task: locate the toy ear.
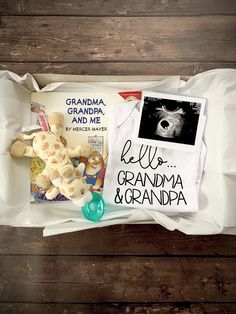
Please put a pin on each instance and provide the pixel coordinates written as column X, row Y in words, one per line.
column 56, row 122
column 63, row 140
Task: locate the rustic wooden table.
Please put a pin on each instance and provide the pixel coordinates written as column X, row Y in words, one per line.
column 127, row 268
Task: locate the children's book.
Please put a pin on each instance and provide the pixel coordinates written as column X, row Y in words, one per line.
column 85, row 115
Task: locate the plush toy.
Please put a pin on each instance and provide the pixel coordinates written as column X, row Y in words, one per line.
column 59, row 174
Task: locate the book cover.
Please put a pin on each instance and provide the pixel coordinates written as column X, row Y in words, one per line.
column 85, row 115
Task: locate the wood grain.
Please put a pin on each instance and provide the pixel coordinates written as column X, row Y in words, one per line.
column 115, row 68
column 119, row 8
column 76, row 39
column 117, row 279
column 115, row 240
column 142, row 268
column 118, row 308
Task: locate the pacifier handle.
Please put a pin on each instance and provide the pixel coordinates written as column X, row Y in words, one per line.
column 95, row 208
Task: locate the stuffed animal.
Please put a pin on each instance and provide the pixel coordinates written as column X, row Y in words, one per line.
column 59, row 174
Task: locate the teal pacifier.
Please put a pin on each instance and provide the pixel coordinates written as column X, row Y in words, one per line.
column 94, row 209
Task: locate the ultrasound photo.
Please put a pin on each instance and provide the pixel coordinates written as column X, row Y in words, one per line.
column 170, row 120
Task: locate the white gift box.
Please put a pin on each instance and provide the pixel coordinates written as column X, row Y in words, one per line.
column 217, row 198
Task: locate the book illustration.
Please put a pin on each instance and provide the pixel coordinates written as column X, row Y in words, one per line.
column 94, row 172
column 41, row 198
column 97, row 143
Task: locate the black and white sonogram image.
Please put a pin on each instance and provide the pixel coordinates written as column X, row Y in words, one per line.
column 169, row 120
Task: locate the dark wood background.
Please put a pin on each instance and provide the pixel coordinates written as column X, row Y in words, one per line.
column 127, row 268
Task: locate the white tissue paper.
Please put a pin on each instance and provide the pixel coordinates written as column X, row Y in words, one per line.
column 217, row 197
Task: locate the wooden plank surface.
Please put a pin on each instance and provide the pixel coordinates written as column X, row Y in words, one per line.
column 121, row 7
column 143, row 268
column 77, row 39
column 32, row 278
column 152, row 240
column 114, row 68
column 118, row 308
